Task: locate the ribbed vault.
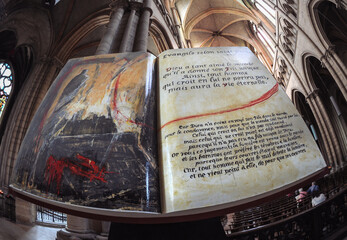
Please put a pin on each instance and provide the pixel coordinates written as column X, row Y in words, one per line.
column 215, row 23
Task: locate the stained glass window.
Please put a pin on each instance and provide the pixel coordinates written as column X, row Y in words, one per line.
column 6, row 80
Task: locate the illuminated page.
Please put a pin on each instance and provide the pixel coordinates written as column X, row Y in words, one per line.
column 92, row 143
column 228, row 131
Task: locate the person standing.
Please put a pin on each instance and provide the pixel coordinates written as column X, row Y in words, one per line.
column 313, row 189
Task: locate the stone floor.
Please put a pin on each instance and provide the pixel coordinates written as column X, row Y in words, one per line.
column 12, row 231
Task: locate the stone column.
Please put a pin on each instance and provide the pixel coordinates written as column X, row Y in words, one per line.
column 107, row 41
column 105, row 229
column 143, row 28
column 321, row 121
column 310, row 100
column 130, row 29
column 54, row 65
column 77, row 228
column 331, row 132
column 178, row 25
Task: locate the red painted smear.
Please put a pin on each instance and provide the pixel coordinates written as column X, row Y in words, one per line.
column 83, row 167
column 115, row 93
column 261, row 99
column 133, row 122
column 118, row 112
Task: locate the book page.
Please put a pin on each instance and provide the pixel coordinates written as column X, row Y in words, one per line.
column 92, row 143
column 228, row 131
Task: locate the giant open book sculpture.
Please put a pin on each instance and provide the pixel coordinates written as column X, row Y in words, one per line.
column 205, row 131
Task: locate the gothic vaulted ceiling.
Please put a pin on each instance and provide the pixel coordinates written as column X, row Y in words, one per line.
column 212, row 23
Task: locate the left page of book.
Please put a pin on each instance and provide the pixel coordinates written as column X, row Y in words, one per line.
column 93, row 140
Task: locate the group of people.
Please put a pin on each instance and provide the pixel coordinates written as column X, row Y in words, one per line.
column 317, row 196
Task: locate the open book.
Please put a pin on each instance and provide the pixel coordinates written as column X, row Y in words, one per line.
column 193, row 131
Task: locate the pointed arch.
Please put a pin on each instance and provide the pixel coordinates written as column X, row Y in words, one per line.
column 330, row 106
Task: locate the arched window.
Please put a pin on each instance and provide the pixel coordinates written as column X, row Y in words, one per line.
column 332, row 100
column 264, row 38
column 157, row 41
column 6, row 83
column 308, row 116
column 333, row 23
column 266, row 9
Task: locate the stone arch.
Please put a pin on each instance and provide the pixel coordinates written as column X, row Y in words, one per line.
column 32, row 27
column 331, row 56
column 244, row 15
column 159, row 37
column 283, row 43
column 315, row 11
column 21, row 59
column 33, row 31
column 330, row 105
column 306, row 113
column 288, row 30
column 290, row 7
column 332, row 23
column 64, row 49
column 282, row 72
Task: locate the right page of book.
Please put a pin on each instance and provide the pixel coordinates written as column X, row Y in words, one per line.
column 228, row 131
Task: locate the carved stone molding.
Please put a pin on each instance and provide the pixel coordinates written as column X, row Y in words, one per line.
column 3, row 14
column 329, row 52
column 115, row 4
column 135, row 5
column 327, row 55
column 51, row 61
column 167, row 19
column 313, row 94
column 339, row 4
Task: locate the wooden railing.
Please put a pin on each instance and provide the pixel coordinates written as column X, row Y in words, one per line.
column 282, row 212
column 283, row 217
column 274, row 211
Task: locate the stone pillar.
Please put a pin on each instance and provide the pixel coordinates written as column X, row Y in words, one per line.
column 130, row 29
column 105, row 229
column 77, row 228
column 321, row 121
column 310, row 101
column 178, row 25
column 25, row 212
column 54, row 65
column 143, row 28
column 331, row 132
column 107, row 41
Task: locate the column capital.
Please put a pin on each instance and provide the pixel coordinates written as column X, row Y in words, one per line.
column 135, row 5
column 313, row 94
column 147, row 6
column 116, row 4
column 328, row 53
column 339, row 4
